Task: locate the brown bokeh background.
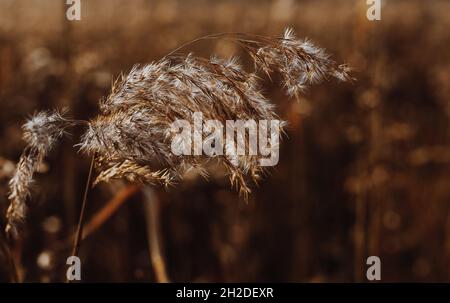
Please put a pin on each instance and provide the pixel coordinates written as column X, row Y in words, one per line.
column 364, row 168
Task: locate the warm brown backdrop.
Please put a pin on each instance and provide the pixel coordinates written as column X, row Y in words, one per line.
column 364, row 169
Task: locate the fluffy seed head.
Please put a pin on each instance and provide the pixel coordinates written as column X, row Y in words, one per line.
column 41, row 133
column 44, row 129
column 133, row 128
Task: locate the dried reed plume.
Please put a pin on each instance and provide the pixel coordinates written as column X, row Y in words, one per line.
column 131, row 138
column 40, row 133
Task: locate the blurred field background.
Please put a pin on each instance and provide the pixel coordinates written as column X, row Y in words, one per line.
column 363, row 171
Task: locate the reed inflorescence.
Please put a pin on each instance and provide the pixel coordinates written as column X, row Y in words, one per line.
column 131, row 137
column 41, row 132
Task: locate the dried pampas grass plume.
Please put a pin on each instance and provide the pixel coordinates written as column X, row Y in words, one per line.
column 131, row 137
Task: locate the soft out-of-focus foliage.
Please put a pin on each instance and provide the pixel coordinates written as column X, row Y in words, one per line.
column 363, row 171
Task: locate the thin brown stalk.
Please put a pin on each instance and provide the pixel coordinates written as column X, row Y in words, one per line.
column 79, row 233
column 151, row 205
